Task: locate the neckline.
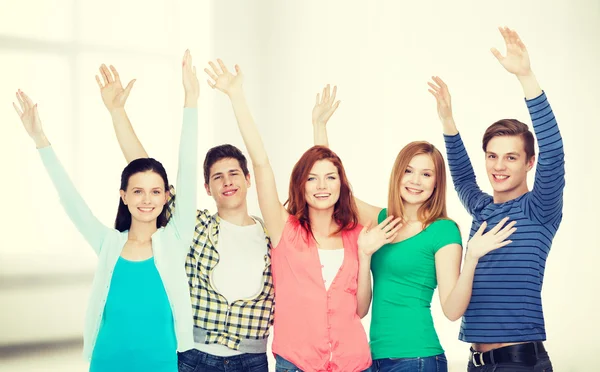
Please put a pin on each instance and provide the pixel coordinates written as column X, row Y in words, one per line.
column 151, row 258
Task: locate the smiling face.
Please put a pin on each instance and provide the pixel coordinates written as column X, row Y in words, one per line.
column 418, row 182
column 322, row 188
column 227, row 184
column 507, row 165
column 145, row 196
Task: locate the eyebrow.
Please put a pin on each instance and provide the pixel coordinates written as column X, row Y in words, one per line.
column 508, row 153
column 229, row 171
column 426, row 169
column 327, row 174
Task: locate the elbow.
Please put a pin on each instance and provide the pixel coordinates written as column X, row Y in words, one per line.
column 453, row 317
column 362, row 312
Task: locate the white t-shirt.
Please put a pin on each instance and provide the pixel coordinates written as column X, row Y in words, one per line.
column 239, row 272
column 331, row 261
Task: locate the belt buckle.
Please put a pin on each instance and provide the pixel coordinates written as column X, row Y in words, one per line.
column 477, row 363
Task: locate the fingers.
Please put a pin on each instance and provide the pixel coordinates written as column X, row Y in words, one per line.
column 318, row 98
column 498, row 226
column 334, row 93
column 20, row 100
column 211, row 84
column 323, row 97
column 26, row 100
column 497, row 54
column 19, row 112
column 211, row 75
column 128, row 89
column 481, row 229
column 104, row 74
column 98, row 81
column 222, row 65
column 215, row 68
column 116, row 74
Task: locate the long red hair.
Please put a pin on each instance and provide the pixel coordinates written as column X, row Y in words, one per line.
column 345, row 212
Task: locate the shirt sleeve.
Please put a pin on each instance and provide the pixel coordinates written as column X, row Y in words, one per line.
column 88, row 225
column 183, row 218
column 463, row 176
column 446, row 232
column 546, row 199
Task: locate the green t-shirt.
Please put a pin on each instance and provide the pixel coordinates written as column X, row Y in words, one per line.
column 403, row 283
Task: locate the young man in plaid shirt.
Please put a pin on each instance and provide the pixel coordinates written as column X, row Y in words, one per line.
column 229, row 263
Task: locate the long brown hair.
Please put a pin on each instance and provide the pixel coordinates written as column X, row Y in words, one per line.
column 434, row 207
column 345, row 212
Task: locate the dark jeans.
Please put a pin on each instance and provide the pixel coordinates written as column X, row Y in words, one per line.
column 196, row 361
column 543, row 364
column 282, row 365
column 436, row 363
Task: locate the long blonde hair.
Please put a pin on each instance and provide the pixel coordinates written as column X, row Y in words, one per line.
column 433, row 208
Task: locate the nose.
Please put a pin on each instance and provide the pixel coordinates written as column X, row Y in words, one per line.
column 415, row 178
column 227, row 180
column 321, row 184
column 499, row 164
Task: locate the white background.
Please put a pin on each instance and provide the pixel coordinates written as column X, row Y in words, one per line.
column 379, row 53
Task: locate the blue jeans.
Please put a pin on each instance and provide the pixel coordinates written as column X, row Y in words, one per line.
column 282, row 365
column 196, row 361
column 436, row 363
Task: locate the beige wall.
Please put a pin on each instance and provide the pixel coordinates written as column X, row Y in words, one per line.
column 380, row 54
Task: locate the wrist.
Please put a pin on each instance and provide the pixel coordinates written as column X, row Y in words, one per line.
column 470, row 261
column 317, row 123
column 41, row 141
column 117, row 111
column 235, row 93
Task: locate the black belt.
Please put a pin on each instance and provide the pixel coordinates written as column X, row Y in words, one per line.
column 527, row 354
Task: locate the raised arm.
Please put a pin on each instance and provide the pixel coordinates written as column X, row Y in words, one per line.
column 324, row 108
column 273, row 212
column 77, row 210
column 547, row 193
column 459, row 163
column 114, row 98
column 455, row 286
column 184, row 216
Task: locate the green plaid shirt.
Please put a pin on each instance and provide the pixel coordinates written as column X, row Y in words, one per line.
column 225, row 324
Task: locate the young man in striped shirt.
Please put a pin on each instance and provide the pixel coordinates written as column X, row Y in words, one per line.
column 504, row 321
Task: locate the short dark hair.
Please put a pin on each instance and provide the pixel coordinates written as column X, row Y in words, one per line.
column 224, row 152
column 510, row 127
column 123, row 220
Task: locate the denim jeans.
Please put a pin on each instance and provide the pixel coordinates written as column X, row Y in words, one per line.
column 436, row 363
column 282, row 365
column 196, row 361
column 543, row 365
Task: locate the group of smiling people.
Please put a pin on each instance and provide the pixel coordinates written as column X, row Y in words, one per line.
column 178, row 288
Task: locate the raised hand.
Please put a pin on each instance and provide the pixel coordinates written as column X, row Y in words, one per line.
column 111, row 89
column 370, row 240
column 30, row 118
column 190, row 81
column 516, row 60
column 440, row 91
column 325, row 106
column 481, row 244
column 224, row 80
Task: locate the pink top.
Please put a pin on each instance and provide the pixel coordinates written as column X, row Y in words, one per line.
column 317, row 329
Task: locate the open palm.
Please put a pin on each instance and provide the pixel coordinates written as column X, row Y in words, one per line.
column 111, row 88
column 224, row 80
column 516, row 60
column 325, row 106
column 29, row 115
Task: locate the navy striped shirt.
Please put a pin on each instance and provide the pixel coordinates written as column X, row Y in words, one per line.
column 506, row 303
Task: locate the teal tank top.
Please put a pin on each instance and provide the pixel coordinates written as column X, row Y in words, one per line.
column 137, row 330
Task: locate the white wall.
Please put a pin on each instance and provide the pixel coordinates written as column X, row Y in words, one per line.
column 380, row 54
